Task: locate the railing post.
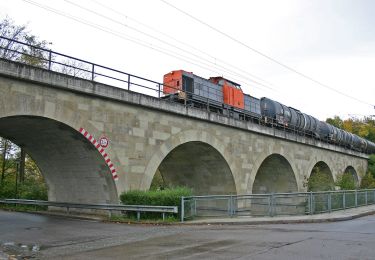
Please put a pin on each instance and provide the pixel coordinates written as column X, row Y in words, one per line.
column 159, row 90
column 195, row 207
column 269, row 206
column 272, row 210
column 366, row 197
column 356, row 198
column 182, row 209
column 343, row 200
column 128, row 81
column 92, row 72
column 49, row 60
column 311, row 203
column 229, row 206
column 329, row 202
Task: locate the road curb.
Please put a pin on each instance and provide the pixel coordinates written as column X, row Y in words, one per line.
column 259, row 221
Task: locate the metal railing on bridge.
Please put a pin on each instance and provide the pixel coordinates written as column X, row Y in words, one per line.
column 275, row 204
column 106, row 207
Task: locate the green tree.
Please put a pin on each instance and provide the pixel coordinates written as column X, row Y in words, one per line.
column 8, row 152
column 319, row 181
column 29, row 186
column 371, row 165
column 363, row 127
column 368, row 181
column 346, row 181
column 335, row 121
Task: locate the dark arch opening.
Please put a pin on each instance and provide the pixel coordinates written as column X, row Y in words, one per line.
column 72, row 167
column 321, row 178
column 275, row 175
column 352, row 172
column 198, row 166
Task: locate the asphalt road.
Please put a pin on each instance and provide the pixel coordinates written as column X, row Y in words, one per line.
column 49, row 237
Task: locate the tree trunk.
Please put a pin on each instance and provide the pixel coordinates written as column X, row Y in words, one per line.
column 22, row 165
column 4, row 160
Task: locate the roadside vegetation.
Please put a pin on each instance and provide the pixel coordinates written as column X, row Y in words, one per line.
column 19, row 179
column 165, row 197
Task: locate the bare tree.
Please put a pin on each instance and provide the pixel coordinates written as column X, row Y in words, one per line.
column 75, row 68
column 30, row 52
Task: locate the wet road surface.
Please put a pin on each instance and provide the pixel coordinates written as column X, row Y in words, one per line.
column 51, row 237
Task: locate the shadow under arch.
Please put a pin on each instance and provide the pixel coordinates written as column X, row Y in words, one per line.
column 350, row 170
column 72, row 167
column 199, row 166
column 321, row 178
column 275, row 175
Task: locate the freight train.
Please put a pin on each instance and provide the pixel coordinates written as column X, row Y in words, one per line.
column 220, row 95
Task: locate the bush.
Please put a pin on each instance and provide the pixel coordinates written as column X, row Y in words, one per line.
column 167, row 197
column 30, row 189
column 346, row 181
column 371, row 164
column 320, row 181
column 368, row 181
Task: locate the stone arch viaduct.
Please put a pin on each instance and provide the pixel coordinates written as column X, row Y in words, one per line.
column 44, row 111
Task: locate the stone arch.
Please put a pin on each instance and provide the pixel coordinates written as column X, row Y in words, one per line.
column 350, row 170
column 209, row 157
column 73, row 168
column 327, row 182
column 198, row 166
column 275, row 174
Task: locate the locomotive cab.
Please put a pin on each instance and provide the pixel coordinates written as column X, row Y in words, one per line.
column 233, row 95
column 178, row 82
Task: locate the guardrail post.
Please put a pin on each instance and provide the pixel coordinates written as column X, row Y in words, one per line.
column 67, row 210
column 163, row 216
column 311, row 203
column 182, row 209
column 138, row 215
column 366, row 197
column 343, row 200
column 110, row 214
column 356, row 198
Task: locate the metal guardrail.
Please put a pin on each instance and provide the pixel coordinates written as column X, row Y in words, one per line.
column 275, row 204
column 109, row 207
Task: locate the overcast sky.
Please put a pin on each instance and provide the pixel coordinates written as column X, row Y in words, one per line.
column 331, row 41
